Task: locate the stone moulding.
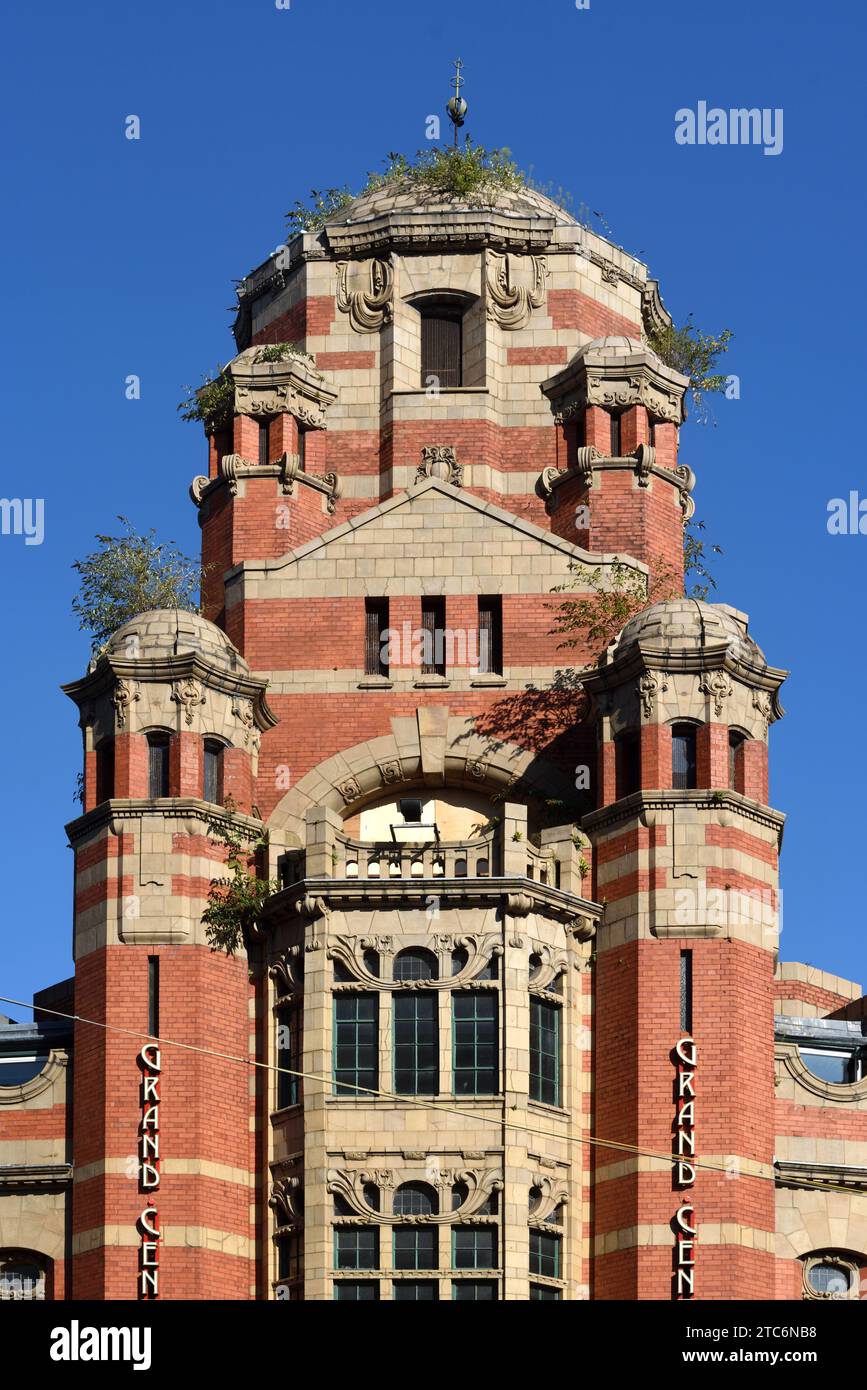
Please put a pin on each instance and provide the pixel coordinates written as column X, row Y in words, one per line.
column 371, row 307
column 589, row 461
column 422, row 230
column 349, row 1183
column 832, row 1092
column 55, row 1066
column 350, row 951
column 617, row 379
column 34, row 1174
column 291, row 387
column 287, row 470
column 440, row 461
column 515, row 287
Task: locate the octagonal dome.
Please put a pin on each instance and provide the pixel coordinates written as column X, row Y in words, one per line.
column 682, row 624
column 404, row 195
column 161, row 633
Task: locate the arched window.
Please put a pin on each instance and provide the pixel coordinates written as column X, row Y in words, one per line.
column 22, row 1276
column 831, row 1274
column 415, row 965
column 158, row 765
column 213, row 771
column 736, row 775
column 442, row 342
column 683, row 765
column 104, row 770
column 415, row 1199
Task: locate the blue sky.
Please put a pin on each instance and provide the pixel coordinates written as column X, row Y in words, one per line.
column 119, row 258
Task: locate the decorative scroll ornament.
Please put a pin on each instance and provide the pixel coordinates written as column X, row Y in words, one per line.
column 516, row 286
column 717, row 684
column 350, row 1184
column 350, row 951
column 188, row 693
column 334, row 491
column 391, row 772
column 585, row 458
column 243, row 712
column 287, row 974
column 439, row 461
column 650, row 685
column 125, row 694
column 762, row 706
column 349, row 790
column 552, row 1193
column 370, row 308
column 552, row 964
column 645, row 457
column 285, row 1204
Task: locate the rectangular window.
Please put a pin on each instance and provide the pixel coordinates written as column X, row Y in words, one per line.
column 416, row 1247
column 290, row 1259
column 356, row 1247
column 491, row 636
column 264, row 442
column 433, row 622
column 627, row 764
column 615, row 435
column 544, row 1051
column 686, row 991
column 356, row 1290
column 683, row 772
column 474, row 1247
column 416, row 1043
column 545, row 1254
column 475, row 1043
column 288, row 1055
column 415, row 1290
column 356, row 1043
column 105, row 770
column 375, row 644
column 154, row 996
column 158, row 766
column 580, row 430
column 442, row 347
column 213, row 773
column 736, row 743
column 475, row 1290
column 544, row 1291
column 651, row 432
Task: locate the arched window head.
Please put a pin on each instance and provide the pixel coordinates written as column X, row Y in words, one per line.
column 830, row 1275
column 415, row 1199
column 683, row 764
column 415, row 965
column 213, row 772
column 104, row 770
column 158, row 765
column 23, row 1276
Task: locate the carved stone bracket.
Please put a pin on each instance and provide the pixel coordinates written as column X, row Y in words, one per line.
column 287, row 974
column 243, row 712
column 125, row 694
column 368, row 308
column 552, row 964
column 717, row 684
column 515, row 287
column 188, row 693
column 645, row 457
column 439, row 461
column 651, row 684
column 285, row 1204
column 552, row 1193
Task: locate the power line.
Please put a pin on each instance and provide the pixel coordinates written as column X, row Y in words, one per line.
column 438, row 1107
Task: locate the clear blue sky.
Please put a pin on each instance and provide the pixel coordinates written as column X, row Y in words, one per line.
column 119, row 258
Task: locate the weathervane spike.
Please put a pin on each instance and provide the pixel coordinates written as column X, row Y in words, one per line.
column 457, row 107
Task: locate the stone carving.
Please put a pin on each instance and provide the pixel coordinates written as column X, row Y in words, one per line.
column 439, row 461
column 516, row 286
column 243, row 712
column 477, row 769
column 645, row 457
column 585, row 458
column 334, row 491
column 549, row 478
column 391, row 772
column 349, row 790
column 651, row 684
column 188, row 693
column 285, row 1205
column 350, row 951
column 552, row 1192
column 763, row 707
column 350, row 1184
column 552, row 964
column 197, row 488
column 125, row 694
column 369, row 308
column 717, row 684
column 287, row 973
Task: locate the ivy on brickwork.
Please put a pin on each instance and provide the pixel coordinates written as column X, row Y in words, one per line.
column 236, row 902
column 695, row 355
column 131, row 574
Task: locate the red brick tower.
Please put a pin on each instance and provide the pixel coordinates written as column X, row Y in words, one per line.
column 164, row 1158
column 685, row 851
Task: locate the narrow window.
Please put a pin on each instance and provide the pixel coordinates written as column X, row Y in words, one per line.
column 651, row 432
column 736, row 743
column 545, row 1254
column 356, row 1043
column 686, row 992
column 288, row 1055
column 375, row 642
column 302, row 450
column 264, row 442
column 158, row 766
column 442, row 347
column 683, row 757
column 491, row 636
column 474, row 1247
column 627, row 763
column 580, row 428
column 475, row 1043
column 154, row 996
column 290, row 1259
column 105, row 770
column 416, row 1043
column 544, row 1051
column 213, row 772
column 615, row 434
column 433, row 622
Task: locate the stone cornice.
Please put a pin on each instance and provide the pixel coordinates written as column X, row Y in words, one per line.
column 801, row 1171
column 617, row 379
column 164, row 670
column 34, row 1174
column 318, row 897
column 114, row 812
column 421, row 230
column 644, row 805
column 292, row 386
column 713, row 656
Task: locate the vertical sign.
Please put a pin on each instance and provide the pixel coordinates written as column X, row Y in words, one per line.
column 149, row 1170
column 684, row 1168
